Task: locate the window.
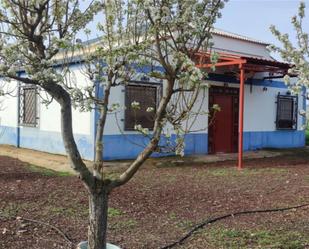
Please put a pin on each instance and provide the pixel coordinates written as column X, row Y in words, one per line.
column 146, row 95
column 28, row 105
column 286, row 112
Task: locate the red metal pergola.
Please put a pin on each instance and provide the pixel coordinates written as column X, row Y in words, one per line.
column 246, row 67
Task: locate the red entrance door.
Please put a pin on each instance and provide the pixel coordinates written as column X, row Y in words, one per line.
column 223, row 127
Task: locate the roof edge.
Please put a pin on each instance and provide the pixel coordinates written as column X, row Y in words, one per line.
column 232, row 35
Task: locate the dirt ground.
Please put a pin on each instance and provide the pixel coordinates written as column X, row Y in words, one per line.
column 161, row 204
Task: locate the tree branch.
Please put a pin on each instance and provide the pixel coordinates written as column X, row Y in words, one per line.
column 63, row 98
column 157, row 130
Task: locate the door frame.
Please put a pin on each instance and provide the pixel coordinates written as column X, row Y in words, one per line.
column 225, row 91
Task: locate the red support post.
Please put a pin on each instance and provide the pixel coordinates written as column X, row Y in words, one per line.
column 241, row 116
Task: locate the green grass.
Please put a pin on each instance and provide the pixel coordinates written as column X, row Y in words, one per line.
column 12, row 209
column 118, row 220
column 306, row 178
column 67, row 212
column 236, row 239
column 47, row 172
column 77, row 210
column 114, row 212
column 245, row 172
column 127, row 224
column 307, row 137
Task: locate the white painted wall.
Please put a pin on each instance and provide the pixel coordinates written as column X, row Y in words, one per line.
column 260, row 111
column 260, row 107
column 199, row 124
column 8, row 111
column 118, row 96
column 50, row 115
column 230, row 45
column 115, row 122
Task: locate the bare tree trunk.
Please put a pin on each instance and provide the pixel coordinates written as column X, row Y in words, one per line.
column 98, row 190
column 64, row 99
column 98, row 207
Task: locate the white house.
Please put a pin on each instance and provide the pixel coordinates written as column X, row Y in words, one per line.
column 270, row 113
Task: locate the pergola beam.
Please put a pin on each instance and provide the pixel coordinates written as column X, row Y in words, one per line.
column 221, row 64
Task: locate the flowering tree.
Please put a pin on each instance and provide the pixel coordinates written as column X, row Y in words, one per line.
column 162, row 36
column 297, row 54
column 1, row 97
column 1, row 109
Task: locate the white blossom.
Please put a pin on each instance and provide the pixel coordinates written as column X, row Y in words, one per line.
column 135, row 105
column 149, row 109
column 295, row 54
column 180, row 146
column 216, row 107
column 139, row 128
column 302, row 112
column 287, row 79
column 114, row 107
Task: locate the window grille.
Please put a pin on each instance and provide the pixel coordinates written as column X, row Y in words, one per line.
column 146, row 96
column 286, row 112
column 28, row 106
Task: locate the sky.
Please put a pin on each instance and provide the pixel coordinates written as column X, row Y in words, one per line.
column 252, row 18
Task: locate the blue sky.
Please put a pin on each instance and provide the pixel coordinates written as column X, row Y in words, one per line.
column 253, row 17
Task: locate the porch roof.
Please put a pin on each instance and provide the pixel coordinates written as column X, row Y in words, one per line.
column 249, row 63
column 246, row 66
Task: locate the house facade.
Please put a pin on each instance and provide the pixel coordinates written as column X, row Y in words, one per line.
column 268, row 118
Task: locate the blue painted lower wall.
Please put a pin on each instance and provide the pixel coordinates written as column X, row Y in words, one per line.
column 128, row 146
column 33, row 138
column 273, row 139
column 8, row 135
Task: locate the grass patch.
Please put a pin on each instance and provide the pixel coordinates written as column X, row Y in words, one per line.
column 114, row 212
column 77, row 211
column 172, row 216
column 185, row 224
column 127, row 224
column 12, row 209
column 306, row 178
column 47, row 172
column 113, row 175
column 233, row 238
column 68, row 212
column 245, row 172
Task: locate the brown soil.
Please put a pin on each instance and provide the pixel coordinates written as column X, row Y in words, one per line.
column 160, row 204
